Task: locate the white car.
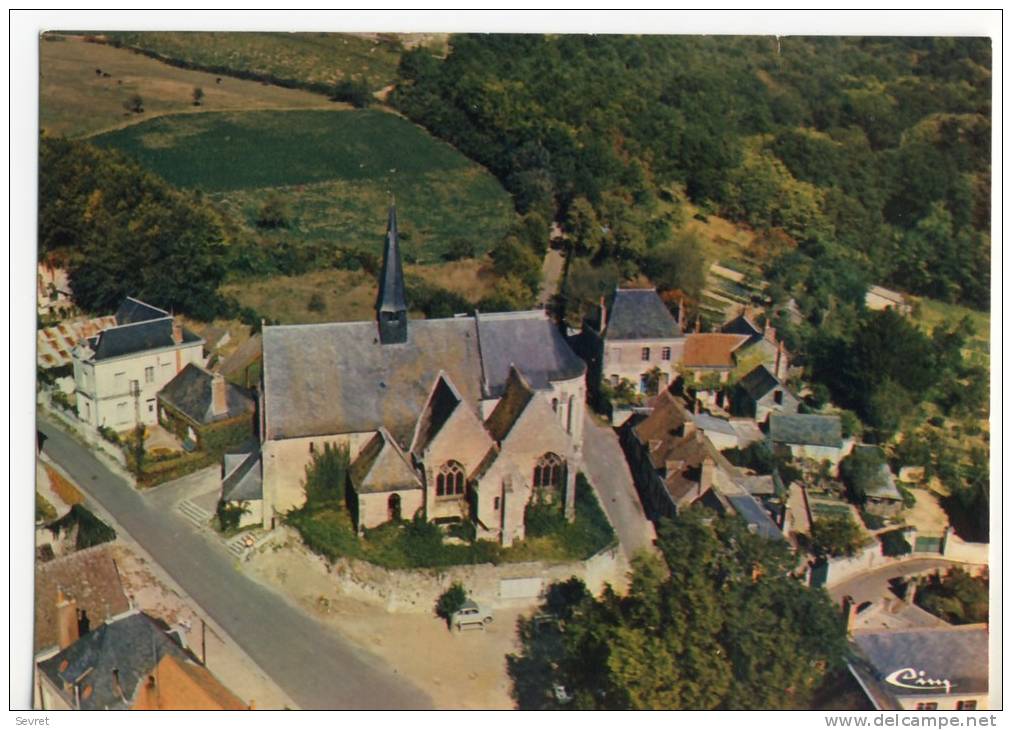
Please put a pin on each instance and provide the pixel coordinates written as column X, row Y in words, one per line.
column 470, row 616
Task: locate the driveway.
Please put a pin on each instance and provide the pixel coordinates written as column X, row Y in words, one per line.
column 874, row 585
column 605, row 465
column 311, row 663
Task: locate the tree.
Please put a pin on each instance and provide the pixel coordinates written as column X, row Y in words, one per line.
column 353, row 91
column 198, row 95
column 326, row 476
column 860, row 470
column 451, row 601
column 717, row 624
column 678, row 264
column 137, row 450
column 957, row 598
column 134, row 104
column 583, row 227
column 835, row 537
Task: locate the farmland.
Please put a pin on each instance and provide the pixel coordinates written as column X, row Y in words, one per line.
column 332, row 171
column 82, row 88
column 310, row 60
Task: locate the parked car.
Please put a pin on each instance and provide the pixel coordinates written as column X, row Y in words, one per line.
column 470, row 616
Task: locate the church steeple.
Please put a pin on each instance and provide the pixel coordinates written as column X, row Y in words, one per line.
column 391, row 304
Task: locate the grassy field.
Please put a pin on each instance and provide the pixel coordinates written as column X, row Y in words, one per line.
column 76, row 101
column 930, row 313
column 349, row 296
column 333, row 170
column 305, row 58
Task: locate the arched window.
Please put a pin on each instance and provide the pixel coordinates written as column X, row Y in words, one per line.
column 549, row 471
column 450, row 480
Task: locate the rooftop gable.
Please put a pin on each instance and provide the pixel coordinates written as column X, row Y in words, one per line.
column 190, row 392
column 381, row 466
column 711, row 349
column 517, row 395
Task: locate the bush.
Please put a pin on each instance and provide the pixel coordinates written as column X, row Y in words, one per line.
column 353, row 91
column 958, row 598
column 894, row 543
column 62, row 400
column 460, row 248
column 229, row 515
column 451, row 601
column 835, row 537
column 44, row 511
column 109, row 435
column 316, row 303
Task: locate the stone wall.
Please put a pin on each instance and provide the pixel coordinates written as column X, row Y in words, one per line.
column 416, row 591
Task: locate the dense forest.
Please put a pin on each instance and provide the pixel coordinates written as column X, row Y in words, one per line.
column 867, row 156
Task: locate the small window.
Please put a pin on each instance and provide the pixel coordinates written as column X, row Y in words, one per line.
column 645, row 354
column 495, row 504
column 121, row 413
column 119, row 381
column 149, row 375
column 966, row 705
column 312, row 447
column 778, row 397
column 927, row 705
column 666, row 354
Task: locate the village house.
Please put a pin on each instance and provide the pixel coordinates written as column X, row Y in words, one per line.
column 129, row 662
column 674, row 465
column 808, row 436
column 762, row 345
column 242, row 486
column 709, row 356
column 119, row 371
column 938, row 667
column 462, row 418
column 883, row 497
column 760, row 393
column 640, row 335
column 205, row 411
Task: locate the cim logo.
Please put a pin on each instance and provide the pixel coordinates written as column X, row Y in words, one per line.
column 910, row 678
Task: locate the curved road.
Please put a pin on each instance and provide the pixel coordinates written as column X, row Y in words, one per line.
column 313, row 665
column 873, row 585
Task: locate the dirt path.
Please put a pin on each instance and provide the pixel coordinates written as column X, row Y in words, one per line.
column 551, row 272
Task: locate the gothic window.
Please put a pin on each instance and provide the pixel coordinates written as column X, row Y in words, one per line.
column 450, row 480
column 549, row 471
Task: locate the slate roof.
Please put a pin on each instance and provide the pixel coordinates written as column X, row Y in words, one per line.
column 243, row 480
column 507, row 411
column 883, row 483
column 749, row 509
column 130, row 338
column 90, row 578
column 132, row 644
column 706, row 422
column 958, row 654
column 806, row 429
column 638, row 314
column 759, row 381
column 711, row 349
column 443, row 401
column 133, row 310
column 190, row 393
column 381, row 466
column 391, row 297
column 742, row 325
column 531, row 341
column 337, row 377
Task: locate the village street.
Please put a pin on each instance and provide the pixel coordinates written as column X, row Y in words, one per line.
column 874, row 585
column 313, row 665
column 605, row 466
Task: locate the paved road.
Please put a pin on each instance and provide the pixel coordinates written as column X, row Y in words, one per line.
column 604, row 463
column 873, row 585
column 315, row 666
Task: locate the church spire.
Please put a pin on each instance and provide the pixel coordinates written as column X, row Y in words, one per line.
column 391, row 304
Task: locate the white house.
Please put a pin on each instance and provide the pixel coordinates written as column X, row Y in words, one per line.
column 119, row 371
column 640, row 335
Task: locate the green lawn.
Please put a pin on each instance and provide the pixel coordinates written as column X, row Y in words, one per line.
column 334, row 172
column 931, row 313
column 312, row 59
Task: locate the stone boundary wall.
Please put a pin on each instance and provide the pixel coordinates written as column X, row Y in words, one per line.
column 91, row 437
column 416, row 591
column 973, row 555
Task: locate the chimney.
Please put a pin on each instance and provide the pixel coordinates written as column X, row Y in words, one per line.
column 66, row 619
column 604, row 316
column 706, row 474
column 781, row 361
column 681, row 314
column 219, row 395
column 849, row 612
column 177, row 331
column 911, row 592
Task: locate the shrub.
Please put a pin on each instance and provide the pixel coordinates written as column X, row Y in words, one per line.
column 460, row 248
column 451, row 601
column 958, row 598
column 44, row 511
column 229, row 515
column 894, row 543
column 109, row 435
column 272, row 214
column 316, row 303
column 835, row 537
column 353, row 91
column 326, row 476
column 62, row 400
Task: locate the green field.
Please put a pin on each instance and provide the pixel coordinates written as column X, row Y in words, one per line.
column 333, row 171
column 310, row 59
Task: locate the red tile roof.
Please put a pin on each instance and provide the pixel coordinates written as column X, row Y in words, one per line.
column 711, row 349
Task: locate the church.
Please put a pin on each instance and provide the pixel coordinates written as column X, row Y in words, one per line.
column 461, row 419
